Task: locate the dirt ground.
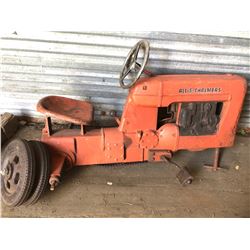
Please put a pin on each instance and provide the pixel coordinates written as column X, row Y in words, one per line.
column 148, row 190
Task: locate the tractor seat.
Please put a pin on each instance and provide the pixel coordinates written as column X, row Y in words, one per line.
column 66, row 109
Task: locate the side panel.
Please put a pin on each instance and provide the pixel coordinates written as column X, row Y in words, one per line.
column 100, row 147
column 165, row 90
column 137, row 118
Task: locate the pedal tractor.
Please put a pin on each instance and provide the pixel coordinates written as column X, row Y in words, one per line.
column 162, row 114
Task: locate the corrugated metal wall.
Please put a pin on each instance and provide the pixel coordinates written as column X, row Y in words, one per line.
column 87, row 65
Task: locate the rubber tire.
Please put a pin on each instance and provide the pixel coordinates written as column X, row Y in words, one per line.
column 27, row 158
column 42, row 172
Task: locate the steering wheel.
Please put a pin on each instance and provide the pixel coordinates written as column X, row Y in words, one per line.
column 131, row 63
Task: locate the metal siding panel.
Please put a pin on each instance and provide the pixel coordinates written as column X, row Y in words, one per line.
column 87, row 65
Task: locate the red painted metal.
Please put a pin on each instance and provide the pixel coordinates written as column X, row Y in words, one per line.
column 70, row 110
column 137, row 137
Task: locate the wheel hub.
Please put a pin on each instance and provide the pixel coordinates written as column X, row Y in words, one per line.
column 8, row 171
column 11, row 175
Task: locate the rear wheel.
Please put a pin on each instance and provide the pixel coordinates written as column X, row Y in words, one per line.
column 17, row 172
column 42, row 171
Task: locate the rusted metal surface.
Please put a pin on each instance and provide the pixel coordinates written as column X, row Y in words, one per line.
column 139, row 130
column 17, row 172
column 66, row 109
column 48, row 126
column 58, row 160
column 137, row 134
column 156, row 155
column 86, row 65
column 216, row 166
column 9, row 125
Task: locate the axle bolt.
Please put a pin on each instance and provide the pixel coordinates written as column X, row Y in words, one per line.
column 53, row 181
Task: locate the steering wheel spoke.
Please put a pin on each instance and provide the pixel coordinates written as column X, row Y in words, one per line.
column 126, row 71
column 131, row 63
column 137, row 66
column 124, row 75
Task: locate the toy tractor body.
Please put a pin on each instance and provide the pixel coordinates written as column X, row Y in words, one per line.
column 162, row 114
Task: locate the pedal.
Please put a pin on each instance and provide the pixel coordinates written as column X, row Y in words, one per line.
column 184, row 176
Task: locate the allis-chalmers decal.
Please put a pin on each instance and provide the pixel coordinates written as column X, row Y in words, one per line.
column 200, row 90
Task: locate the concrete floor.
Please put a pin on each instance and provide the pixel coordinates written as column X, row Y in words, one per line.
column 148, row 190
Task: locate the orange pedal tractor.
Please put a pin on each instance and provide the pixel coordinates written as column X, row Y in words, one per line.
column 162, row 114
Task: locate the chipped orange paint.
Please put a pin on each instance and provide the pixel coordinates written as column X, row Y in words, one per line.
column 137, row 133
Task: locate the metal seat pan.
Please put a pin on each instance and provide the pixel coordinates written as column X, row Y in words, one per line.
column 66, row 109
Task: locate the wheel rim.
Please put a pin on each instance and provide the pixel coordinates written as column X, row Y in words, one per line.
column 17, row 172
